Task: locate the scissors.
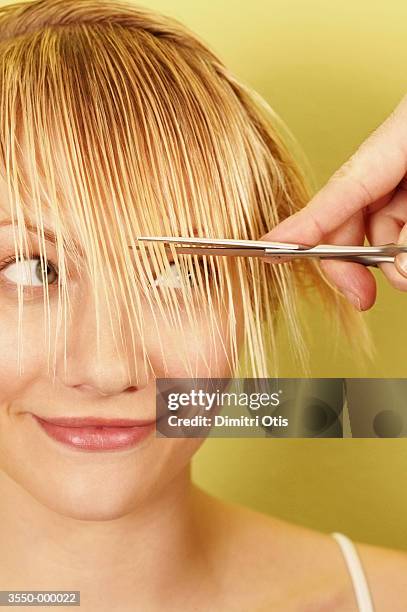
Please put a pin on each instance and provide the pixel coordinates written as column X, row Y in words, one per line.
column 366, row 255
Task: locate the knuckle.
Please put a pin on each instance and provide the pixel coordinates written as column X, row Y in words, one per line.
column 316, row 223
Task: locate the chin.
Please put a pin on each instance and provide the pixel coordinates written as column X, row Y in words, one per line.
column 98, row 487
column 101, row 503
column 87, row 497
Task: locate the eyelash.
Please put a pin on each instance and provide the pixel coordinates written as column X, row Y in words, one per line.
column 200, row 263
column 10, row 285
column 12, row 259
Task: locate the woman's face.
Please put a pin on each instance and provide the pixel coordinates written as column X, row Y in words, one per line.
column 88, row 484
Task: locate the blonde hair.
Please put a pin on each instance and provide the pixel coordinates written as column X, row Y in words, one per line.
column 129, row 125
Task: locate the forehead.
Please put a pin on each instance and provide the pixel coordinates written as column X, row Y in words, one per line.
column 183, row 221
column 7, row 214
column 49, row 227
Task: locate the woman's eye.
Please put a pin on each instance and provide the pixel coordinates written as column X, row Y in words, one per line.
column 29, row 272
column 171, row 278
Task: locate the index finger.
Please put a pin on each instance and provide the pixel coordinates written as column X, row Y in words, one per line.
column 373, row 171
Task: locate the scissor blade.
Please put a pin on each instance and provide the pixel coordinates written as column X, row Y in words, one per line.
column 227, row 251
column 226, row 242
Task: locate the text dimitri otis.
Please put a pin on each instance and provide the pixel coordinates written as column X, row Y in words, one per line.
column 218, row 420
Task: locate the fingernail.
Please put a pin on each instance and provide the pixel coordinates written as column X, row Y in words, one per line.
column 353, row 299
column 402, row 263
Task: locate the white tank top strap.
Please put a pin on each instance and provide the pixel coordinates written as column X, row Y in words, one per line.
column 360, row 585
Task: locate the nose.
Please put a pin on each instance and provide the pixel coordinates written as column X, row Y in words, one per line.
column 114, row 369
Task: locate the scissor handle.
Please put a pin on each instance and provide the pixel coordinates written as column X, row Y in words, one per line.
column 366, row 260
column 368, row 256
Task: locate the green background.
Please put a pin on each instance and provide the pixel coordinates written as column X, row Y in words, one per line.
column 333, row 71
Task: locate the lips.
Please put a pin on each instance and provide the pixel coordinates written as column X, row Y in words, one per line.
column 96, row 434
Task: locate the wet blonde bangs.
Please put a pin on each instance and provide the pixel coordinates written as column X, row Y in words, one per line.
column 115, row 123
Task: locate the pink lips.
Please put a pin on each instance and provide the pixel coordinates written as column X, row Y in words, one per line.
column 96, row 434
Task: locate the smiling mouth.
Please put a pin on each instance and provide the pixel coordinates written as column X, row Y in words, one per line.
column 96, row 434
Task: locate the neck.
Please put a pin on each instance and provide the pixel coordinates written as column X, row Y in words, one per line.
column 137, row 557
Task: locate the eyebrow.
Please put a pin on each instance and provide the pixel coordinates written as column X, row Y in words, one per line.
column 33, row 229
column 49, row 234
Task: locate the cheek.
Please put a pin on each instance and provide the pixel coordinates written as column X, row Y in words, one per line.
column 200, row 349
column 33, row 347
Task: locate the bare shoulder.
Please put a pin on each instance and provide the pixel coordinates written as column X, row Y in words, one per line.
column 287, row 566
column 386, row 574
column 321, row 573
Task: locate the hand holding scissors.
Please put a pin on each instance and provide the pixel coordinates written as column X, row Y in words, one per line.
column 365, row 198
